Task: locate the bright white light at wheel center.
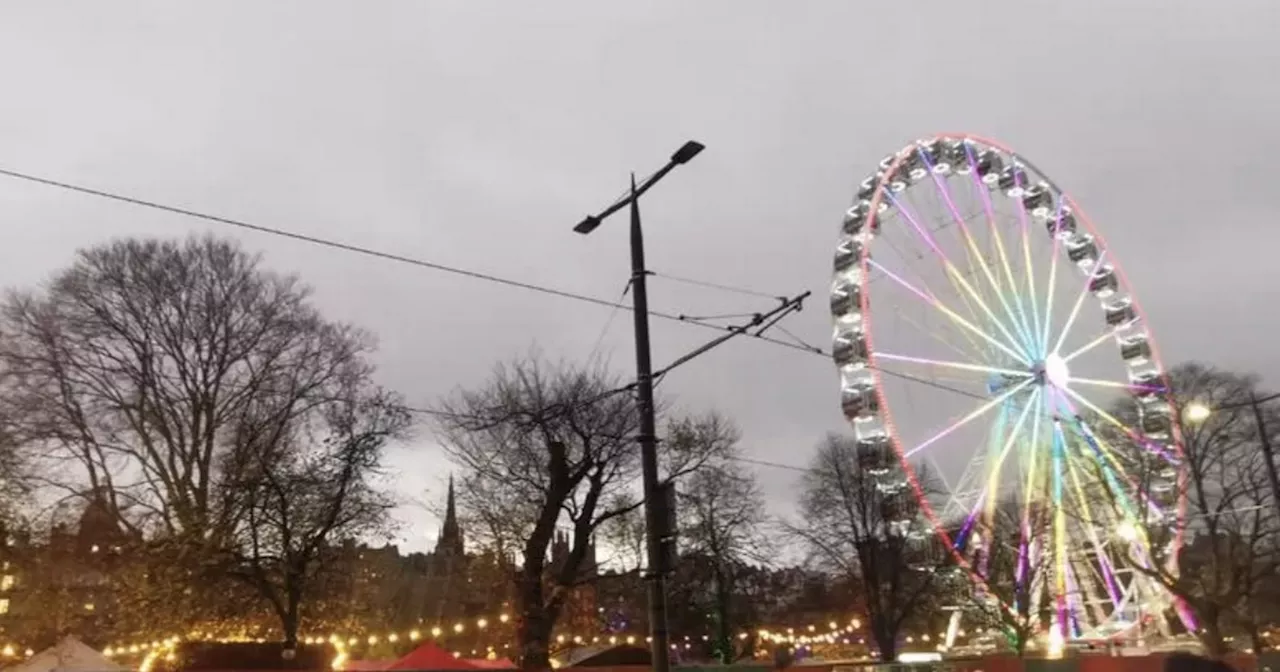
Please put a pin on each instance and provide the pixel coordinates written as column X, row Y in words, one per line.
column 1055, row 370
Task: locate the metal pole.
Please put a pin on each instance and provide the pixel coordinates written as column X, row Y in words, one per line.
column 648, row 446
column 1267, row 451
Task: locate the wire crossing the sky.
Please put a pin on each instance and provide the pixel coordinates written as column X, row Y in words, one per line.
column 378, row 254
column 446, row 268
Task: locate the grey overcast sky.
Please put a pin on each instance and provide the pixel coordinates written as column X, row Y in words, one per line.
column 476, row 133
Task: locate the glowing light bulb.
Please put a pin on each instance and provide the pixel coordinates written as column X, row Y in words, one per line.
column 1196, row 412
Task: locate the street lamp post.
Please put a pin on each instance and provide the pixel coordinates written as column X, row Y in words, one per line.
column 655, row 521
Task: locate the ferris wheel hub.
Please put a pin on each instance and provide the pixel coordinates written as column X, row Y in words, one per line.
column 1054, row 370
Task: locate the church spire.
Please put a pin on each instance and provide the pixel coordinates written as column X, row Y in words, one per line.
column 450, row 540
column 451, row 510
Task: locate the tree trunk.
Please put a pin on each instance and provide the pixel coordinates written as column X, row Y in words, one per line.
column 723, row 638
column 533, row 633
column 1211, row 638
column 289, row 625
column 887, row 643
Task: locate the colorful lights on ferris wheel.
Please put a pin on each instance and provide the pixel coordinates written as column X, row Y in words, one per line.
column 1004, row 266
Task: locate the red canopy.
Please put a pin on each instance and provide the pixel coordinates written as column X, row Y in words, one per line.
column 430, row 657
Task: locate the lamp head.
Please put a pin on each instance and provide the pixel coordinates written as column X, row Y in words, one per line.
column 687, row 152
column 587, row 225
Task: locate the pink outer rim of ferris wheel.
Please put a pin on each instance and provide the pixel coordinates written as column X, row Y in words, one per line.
column 885, row 409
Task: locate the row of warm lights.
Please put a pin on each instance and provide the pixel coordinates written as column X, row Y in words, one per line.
column 373, row 640
column 145, row 647
column 165, row 650
column 837, row 633
column 412, row 635
column 9, row 651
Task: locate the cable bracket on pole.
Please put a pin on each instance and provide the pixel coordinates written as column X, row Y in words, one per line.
column 760, row 322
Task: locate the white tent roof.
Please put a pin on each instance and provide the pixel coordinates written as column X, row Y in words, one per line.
column 69, row 655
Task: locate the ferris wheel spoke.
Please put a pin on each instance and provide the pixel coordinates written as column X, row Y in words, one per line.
column 977, row 353
column 996, row 236
column 1102, row 455
column 953, row 365
column 1053, row 279
column 953, row 273
column 987, row 497
column 978, row 350
column 955, row 317
column 994, row 477
column 1025, row 532
column 1101, row 412
column 1117, row 384
column 1130, row 433
column 1092, row 530
column 971, row 249
column 1075, row 309
column 1028, row 268
column 995, row 401
column 1059, row 532
column 1102, row 338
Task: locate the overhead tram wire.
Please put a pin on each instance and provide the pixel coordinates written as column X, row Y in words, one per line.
column 444, row 268
column 366, row 251
column 767, row 463
column 759, row 322
column 608, row 322
column 713, row 285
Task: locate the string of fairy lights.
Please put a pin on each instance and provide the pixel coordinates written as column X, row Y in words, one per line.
column 155, row 650
column 849, row 633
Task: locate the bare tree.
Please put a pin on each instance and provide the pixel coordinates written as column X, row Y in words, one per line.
column 17, row 480
column 538, row 446
column 147, row 372
column 305, row 484
column 722, row 524
column 1232, row 538
column 862, row 522
column 136, row 364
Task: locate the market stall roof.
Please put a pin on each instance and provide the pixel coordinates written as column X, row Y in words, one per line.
column 68, row 655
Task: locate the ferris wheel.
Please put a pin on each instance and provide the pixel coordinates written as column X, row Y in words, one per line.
column 983, row 326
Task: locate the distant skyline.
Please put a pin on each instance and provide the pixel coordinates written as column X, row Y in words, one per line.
column 477, row 133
